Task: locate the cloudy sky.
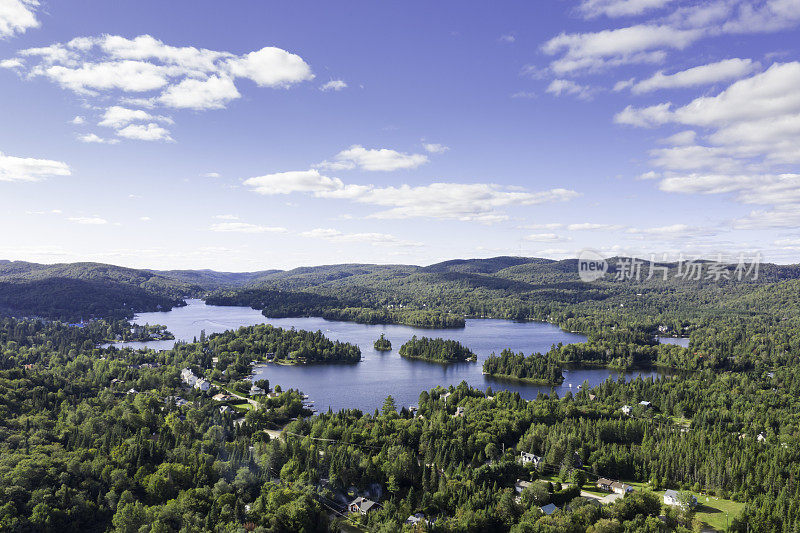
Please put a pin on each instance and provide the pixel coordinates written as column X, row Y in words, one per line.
column 196, row 134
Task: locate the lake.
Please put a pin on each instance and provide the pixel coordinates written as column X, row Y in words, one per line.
column 365, row 385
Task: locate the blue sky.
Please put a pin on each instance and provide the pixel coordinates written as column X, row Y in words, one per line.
column 192, row 134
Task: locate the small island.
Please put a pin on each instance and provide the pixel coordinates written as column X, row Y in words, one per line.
column 437, row 350
column 282, row 346
column 538, row 369
column 383, row 344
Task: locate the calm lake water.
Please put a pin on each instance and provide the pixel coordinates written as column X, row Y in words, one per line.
column 365, row 385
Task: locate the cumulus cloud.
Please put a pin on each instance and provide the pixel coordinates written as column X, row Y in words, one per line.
column 244, row 227
column 30, row 169
column 373, row 159
column 333, row 85
column 212, row 175
column 118, row 116
column 78, row 120
column 17, row 16
column 148, row 73
column 544, row 237
column 476, row 201
column 145, row 132
column 725, row 70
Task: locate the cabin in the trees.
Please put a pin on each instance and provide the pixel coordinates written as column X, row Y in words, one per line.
column 202, row 384
column 361, row 505
column 626, row 410
column 415, row 519
column 645, row 404
column 255, row 390
column 529, row 458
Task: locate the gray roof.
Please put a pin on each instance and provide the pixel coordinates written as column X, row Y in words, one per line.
column 549, row 508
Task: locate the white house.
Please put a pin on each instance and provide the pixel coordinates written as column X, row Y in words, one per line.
column 415, row 519
column 188, row 377
column 202, row 384
column 621, row 488
column 526, row 458
column 255, row 390
column 626, row 409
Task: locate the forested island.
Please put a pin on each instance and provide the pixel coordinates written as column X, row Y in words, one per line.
column 538, row 369
column 382, row 344
column 436, row 350
column 284, row 346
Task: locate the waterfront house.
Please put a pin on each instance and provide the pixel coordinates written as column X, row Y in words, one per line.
column 255, row 390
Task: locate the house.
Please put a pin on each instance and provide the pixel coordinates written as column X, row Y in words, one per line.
column 672, row 497
column 761, row 437
column 621, row 488
column 604, row 484
column 592, row 397
column 133, row 391
column 549, row 509
column 255, row 390
column 520, row 486
column 445, row 396
column 361, row 505
column 221, row 397
column 626, row 410
column 526, row 458
column 459, row 411
column 645, row 404
column 415, row 519
column 188, row 377
column 202, row 384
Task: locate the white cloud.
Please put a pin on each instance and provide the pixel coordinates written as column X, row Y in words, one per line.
column 78, row 120
column 378, row 159
column 634, row 44
column 682, row 138
column 213, row 92
column 560, row 87
column 212, row 175
column 17, row 16
column 333, row 85
column 645, row 117
column 619, row 8
column 145, row 219
column 548, row 225
column 244, row 227
column 146, row 72
column 118, row 116
column 725, row 70
column 271, row 67
column 544, row 237
column 507, row 38
column 476, row 201
column 94, row 138
column 90, row 221
column 226, row 217
column 434, row 148
column 524, row 94
column 293, row 181
column 591, row 226
column 145, row 132
column 30, row 169
column 376, row 239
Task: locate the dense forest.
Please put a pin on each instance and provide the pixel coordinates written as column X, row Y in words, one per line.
column 436, row 350
column 382, row 344
column 536, row 368
column 112, row 439
column 279, row 345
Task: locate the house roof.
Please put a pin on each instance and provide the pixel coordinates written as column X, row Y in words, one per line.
column 549, row 509
column 671, row 494
column 604, row 481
